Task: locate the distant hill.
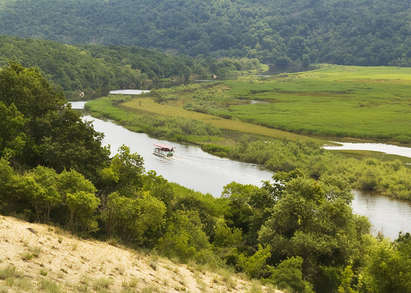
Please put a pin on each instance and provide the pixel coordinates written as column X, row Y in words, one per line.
column 286, row 33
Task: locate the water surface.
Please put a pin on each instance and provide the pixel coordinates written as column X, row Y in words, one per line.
column 190, row 166
column 376, row 147
column 387, row 215
column 78, row 105
column 128, row 92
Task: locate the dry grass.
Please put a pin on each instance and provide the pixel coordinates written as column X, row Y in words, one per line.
column 148, row 105
column 64, row 263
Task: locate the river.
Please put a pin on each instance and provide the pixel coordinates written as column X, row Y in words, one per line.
column 200, row 171
column 376, row 147
column 190, row 166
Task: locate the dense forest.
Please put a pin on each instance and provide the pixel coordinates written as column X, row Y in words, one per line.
column 298, row 233
column 96, row 69
column 288, row 34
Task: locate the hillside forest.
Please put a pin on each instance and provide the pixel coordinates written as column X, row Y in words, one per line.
column 286, row 34
column 90, row 71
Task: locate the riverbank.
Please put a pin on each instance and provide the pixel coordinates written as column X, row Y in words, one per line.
column 190, row 166
column 377, row 174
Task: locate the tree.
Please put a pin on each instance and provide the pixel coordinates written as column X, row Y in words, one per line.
column 288, row 275
column 134, row 219
column 7, row 176
column 41, row 129
column 76, row 191
column 82, row 206
column 72, row 182
column 256, row 265
column 12, row 136
column 314, row 221
column 389, row 266
column 48, row 196
column 184, row 237
column 124, row 174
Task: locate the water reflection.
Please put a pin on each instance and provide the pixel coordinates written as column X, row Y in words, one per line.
column 387, row 215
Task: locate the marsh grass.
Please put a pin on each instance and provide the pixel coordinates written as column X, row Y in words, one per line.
column 332, row 101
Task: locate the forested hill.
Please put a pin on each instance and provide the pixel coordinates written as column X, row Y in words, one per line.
column 95, row 69
column 281, row 32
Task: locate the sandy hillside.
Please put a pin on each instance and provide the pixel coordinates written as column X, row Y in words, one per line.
column 35, row 257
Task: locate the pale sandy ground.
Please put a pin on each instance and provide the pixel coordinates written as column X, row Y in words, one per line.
column 41, row 252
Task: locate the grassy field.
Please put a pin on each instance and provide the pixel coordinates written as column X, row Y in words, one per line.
column 333, row 101
column 148, row 105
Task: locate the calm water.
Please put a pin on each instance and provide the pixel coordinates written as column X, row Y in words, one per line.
column 128, row 92
column 387, row 215
column 79, row 105
column 193, row 168
column 190, row 167
column 377, row 147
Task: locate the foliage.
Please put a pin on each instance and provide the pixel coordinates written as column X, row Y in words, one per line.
column 134, row 219
column 255, row 265
column 82, row 206
column 184, row 237
column 288, row 275
column 287, row 34
column 389, row 266
column 91, row 71
column 45, row 130
column 12, row 138
column 124, row 173
column 48, row 196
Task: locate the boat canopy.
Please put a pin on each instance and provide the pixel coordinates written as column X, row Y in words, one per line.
column 164, row 147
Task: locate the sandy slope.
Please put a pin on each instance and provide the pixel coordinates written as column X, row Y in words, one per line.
column 41, row 252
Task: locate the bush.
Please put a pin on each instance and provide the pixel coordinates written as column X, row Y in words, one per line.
column 288, row 275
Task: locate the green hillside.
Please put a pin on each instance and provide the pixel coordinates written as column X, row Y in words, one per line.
column 96, row 69
column 285, row 33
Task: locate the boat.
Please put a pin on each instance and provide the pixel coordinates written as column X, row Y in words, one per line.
column 164, row 151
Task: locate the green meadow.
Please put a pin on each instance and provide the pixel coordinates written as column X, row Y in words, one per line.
column 333, row 101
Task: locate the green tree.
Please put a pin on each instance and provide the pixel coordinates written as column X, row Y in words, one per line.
column 137, row 219
column 287, row 275
column 12, row 136
column 7, row 178
column 124, row 174
column 54, row 135
column 314, row 221
column 82, row 206
column 184, row 237
column 389, row 266
column 48, row 196
column 256, row 265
